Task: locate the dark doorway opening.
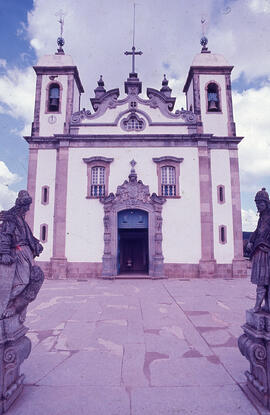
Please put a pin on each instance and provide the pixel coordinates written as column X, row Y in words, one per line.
column 133, row 254
column 133, row 250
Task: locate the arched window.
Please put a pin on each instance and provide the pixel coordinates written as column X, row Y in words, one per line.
column 97, row 181
column 223, row 234
column 43, row 232
column 54, row 98
column 221, row 194
column 45, row 195
column 213, row 99
column 168, row 181
column 133, row 122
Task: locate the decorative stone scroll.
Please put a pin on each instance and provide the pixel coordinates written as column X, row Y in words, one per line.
column 132, row 194
column 20, row 282
column 254, row 344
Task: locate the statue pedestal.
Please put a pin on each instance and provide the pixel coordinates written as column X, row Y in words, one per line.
column 15, row 347
column 254, row 344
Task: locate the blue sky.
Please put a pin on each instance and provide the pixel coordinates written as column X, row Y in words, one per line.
column 169, row 35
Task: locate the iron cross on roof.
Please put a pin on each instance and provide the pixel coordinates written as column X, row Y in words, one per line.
column 133, row 53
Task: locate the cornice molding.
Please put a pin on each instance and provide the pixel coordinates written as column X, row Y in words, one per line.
column 60, row 70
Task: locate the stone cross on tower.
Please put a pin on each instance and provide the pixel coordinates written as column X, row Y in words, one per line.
column 133, row 52
column 60, row 40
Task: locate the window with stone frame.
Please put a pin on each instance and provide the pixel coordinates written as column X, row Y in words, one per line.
column 98, row 171
column 168, row 172
column 98, row 181
column 168, row 181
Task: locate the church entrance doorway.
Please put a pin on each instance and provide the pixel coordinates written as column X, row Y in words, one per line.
column 133, row 241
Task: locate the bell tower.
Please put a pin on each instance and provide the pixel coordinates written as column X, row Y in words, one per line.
column 208, row 92
column 58, row 91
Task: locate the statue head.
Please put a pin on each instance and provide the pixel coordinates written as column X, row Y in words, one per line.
column 262, row 200
column 23, row 201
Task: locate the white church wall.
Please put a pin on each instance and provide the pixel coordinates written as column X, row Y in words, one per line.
column 181, row 217
column 107, row 130
column 47, row 128
column 222, row 212
column 84, row 240
column 46, row 169
column 214, row 122
column 112, row 113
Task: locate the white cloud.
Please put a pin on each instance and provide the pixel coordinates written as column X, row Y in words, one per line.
column 17, row 92
column 253, row 122
column 7, row 178
column 260, row 6
column 249, row 220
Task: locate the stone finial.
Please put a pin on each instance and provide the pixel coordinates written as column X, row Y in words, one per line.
column 165, row 90
column 132, row 175
column 204, row 42
column 100, row 90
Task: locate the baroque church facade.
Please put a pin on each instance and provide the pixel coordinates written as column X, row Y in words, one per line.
column 134, row 186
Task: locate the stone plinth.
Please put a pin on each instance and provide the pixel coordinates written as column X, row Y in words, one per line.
column 15, row 347
column 254, row 344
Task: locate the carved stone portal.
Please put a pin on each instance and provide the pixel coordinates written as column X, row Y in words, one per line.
column 132, row 194
column 254, row 344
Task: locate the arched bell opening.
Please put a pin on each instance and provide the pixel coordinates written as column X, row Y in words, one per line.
column 133, row 242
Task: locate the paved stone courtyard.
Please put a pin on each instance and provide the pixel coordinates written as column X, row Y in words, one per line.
column 139, row 347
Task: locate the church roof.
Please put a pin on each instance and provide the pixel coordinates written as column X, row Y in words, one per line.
column 55, row 60
column 209, row 59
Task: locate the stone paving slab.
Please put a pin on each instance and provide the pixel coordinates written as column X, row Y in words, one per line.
column 137, row 346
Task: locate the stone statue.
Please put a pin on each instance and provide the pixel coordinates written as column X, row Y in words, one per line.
column 259, row 251
column 20, row 281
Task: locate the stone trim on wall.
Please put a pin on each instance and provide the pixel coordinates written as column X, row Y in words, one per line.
column 236, row 204
column 144, row 140
column 60, row 70
column 206, row 70
column 59, row 226
column 87, row 270
column 69, row 103
column 31, row 183
column 207, row 263
column 231, row 123
column 36, row 122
